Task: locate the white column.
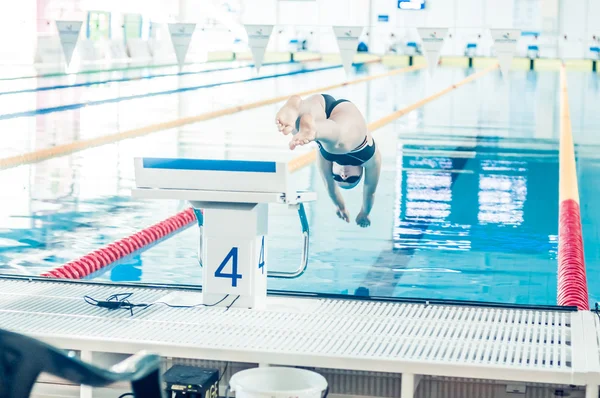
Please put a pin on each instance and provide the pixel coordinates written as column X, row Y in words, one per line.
column 86, row 391
column 182, row 14
column 408, row 385
column 550, row 24
column 370, row 26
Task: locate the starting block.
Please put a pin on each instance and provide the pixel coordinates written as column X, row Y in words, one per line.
column 234, row 196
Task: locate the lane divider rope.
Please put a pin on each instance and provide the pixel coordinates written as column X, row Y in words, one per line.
column 135, row 66
column 104, row 256
column 572, row 287
column 145, row 77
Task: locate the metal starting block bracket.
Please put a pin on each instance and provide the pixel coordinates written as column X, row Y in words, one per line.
column 234, row 196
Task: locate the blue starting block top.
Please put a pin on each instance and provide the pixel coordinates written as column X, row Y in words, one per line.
column 595, row 49
column 294, row 41
column 411, row 44
column 210, row 165
column 471, row 45
column 533, row 48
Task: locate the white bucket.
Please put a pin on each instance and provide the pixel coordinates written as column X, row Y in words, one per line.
column 277, row 383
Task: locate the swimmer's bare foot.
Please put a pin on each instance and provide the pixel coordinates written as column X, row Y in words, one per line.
column 287, row 115
column 307, row 133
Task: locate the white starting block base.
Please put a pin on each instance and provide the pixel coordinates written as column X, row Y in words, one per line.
column 234, row 252
column 234, row 197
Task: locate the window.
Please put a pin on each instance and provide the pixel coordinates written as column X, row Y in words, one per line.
column 132, row 26
column 98, row 25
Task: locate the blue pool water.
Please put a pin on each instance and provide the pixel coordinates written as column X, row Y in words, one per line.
column 466, row 208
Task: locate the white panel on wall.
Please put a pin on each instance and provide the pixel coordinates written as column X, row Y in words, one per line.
column 20, row 26
column 260, row 12
column 593, row 16
column 572, row 14
column 592, row 37
column 441, row 13
column 408, row 18
column 381, row 39
column 470, row 13
column 298, row 13
column 353, row 13
column 527, row 15
column 499, row 13
column 549, row 15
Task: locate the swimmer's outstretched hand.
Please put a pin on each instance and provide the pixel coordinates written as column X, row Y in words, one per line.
column 363, row 220
column 307, row 133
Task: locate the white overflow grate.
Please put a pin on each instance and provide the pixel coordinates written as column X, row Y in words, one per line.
column 459, row 341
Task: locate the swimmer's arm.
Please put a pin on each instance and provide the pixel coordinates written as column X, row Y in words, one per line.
column 372, row 172
column 332, row 189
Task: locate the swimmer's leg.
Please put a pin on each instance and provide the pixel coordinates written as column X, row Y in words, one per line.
column 296, row 106
column 329, row 131
column 345, row 129
column 326, row 131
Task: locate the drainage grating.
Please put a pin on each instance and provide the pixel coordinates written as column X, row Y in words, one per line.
column 491, row 343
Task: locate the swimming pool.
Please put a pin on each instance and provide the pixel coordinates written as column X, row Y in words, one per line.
column 466, row 209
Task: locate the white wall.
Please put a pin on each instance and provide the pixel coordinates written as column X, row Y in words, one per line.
column 467, row 19
column 579, row 20
column 298, row 19
column 17, row 28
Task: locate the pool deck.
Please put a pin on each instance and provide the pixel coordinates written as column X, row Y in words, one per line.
column 556, row 346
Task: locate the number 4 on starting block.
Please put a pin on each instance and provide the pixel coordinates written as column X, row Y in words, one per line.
column 233, row 259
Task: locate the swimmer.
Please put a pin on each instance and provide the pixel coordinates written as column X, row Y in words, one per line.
column 346, row 147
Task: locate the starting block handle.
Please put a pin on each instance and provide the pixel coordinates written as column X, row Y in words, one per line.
column 305, row 246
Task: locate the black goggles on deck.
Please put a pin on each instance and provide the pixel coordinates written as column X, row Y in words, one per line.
column 349, row 180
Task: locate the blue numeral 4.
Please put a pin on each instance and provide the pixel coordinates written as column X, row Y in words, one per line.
column 233, row 255
column 261, row 257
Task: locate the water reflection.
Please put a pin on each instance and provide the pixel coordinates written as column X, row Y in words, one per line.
column 495, row 204
column 447, row 196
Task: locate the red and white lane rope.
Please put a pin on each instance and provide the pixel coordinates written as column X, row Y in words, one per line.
column 106, row 255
